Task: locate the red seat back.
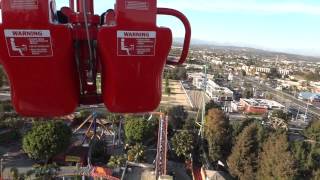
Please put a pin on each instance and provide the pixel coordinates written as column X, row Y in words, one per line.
column 133, row 55
column 38, row 59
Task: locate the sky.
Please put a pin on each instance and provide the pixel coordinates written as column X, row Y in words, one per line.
column 281, row 25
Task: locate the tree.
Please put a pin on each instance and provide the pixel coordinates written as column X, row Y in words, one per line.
column 167, row 88
column 316, row 175
column 190, row 125
column 210, row 105
column 167, row 91
column 273, row 73
column 2, row 76
column 182, row 143
column 307, row 156
column 276, row 160
column 167, row 84
column 46, row 139
column 243, row 161
column 313, row 131
column 99, row 151
column 243, row 73
column 177, row 116
column 181, row 73
column 217, row 131
column 48, row 171
column 117, row 161
column 136, row 129
column 136, row 153
column 239, row 126
column 280, row 114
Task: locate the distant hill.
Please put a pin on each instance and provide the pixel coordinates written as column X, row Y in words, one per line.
column 247, row 50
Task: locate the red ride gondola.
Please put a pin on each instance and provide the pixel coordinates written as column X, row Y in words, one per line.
column 52, row 58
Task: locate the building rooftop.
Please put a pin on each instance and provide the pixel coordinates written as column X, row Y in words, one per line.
column 309, row 95
column 263, row 103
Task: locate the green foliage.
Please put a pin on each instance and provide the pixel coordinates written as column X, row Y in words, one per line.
column 178, row 73
column 307, row 156
column 14, row 173
column 6, row 106
column 280, row 114
column 262, row 133
column 243, row 161
column 316, row 175
column 273, row 73
column 243, row 73
column 84, row 114
column 313, row 132
column 167, row 82
column 190, row 125
column 177, row 116
column 182, row 143
column 117, row 161
column 99, row 151
column 211, row 105
column 310, row 76
column 136, row 153
column 2, row 77
column 48, row 171
column 167, row 91
column 276, row 161
column 217, row 133
column 238, row 126
column 138, row 129
column 46, row 139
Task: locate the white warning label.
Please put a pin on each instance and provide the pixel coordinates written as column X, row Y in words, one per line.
column 141, row 5
column 24, row 4
column 136, row 43
column 28, row 43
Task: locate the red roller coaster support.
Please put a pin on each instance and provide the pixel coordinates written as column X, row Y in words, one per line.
column 161, row 159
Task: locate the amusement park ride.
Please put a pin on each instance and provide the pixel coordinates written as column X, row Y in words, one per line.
column 52, row 57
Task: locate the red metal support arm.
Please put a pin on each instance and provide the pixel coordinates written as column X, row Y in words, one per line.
column 187, row 38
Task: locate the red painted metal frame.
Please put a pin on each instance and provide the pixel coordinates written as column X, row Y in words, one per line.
column 83, row 33
column 187, row 38
column 88, row 65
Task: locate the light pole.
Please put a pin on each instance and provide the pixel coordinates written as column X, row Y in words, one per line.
column 203, row 102
column 306, row 113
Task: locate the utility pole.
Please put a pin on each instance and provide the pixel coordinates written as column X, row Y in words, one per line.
column 203, row 102
column 306, row 113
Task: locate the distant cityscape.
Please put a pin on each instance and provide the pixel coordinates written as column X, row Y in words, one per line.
column 222, row 101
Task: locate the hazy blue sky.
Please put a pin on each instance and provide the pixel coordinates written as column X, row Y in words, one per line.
column 284, row 25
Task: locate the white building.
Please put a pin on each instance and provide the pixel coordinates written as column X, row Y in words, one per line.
column 197, row 79
column 263, row 70
column 213, row 90
column 284, row 72
column 218, row 93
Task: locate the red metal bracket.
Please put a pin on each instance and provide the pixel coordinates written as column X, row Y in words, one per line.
column 187, row 37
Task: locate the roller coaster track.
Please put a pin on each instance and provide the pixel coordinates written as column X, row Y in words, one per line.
column 161, row 158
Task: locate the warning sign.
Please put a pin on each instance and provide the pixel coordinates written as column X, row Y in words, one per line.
column 141, row 5
column 28, row 43
column 24, row 4
column 136, row 43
